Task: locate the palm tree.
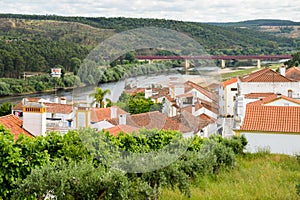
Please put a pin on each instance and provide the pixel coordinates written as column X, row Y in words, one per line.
column 99, row 95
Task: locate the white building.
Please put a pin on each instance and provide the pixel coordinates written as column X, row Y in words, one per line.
column 227, row 96
column 260, row 84
column 272, row 123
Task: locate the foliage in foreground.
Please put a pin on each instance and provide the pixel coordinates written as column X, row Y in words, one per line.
column 256, row 176
column 82, row 164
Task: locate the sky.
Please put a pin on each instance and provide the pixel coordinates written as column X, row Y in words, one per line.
column 183, row 10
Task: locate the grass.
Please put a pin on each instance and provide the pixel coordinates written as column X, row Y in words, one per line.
column 256, row 176
column 245, row 72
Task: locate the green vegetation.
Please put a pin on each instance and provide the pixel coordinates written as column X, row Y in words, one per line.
column 259, row 22
column 44, row 82
column 244, row 72
column 138, row 103
column 99, row 95
column 37, row 43
column 78, row 165
column 256, row 176
column 294, row 61
column 5, row 108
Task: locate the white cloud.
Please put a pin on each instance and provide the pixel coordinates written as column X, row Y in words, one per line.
column 191, row 10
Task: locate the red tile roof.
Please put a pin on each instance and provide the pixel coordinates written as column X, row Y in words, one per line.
column 50, row 107
column 58, row 108
column 293, row 73
column 202, row 103
column 134, row 91
column 265, row 75
column 229, row 82
column 14, row 124
column 196, row 123
column 272, row 119
column 272, row 98
column 161, row 92
column 257, row 95
column 122, row 128
column 185, row 95
column 153, row 120
column 190, row 85
column 100, row 114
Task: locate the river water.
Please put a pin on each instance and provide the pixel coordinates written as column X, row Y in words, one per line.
column 116, row 88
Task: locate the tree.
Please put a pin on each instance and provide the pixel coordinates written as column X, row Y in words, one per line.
column 5, row 108
column 139, row 105
column 99, row 95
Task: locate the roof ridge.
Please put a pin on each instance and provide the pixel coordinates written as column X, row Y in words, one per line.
column 255, row 73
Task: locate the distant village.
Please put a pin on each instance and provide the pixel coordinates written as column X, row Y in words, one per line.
column 264, row 106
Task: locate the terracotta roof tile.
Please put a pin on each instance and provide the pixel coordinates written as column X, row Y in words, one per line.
column 58, row 108
column 272, row 119
column 229, row 82
column 272, row 98
column 257, row 95
column 195, row 123
column 100, row 114
column 50, row 107
column 152, row 120
column 192, row 85
column 161, row 92
column 293, row 73
column 14, row 124
column 265, row 75
column 122, row 128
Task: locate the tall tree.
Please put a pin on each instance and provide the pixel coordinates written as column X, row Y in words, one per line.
column 99, row 96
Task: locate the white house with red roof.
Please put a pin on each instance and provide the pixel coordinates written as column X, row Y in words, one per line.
column 266, row 81
column 59, row 116
column 260, row 84
column 227, row 96
column 272, row 123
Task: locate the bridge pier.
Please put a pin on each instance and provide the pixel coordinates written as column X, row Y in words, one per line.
column 223, row 64
column 258, row 63
column 186, row 64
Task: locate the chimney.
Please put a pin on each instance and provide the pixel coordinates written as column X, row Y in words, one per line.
column 282, row 70
column 113, row 112
column 34, row 118
column 122, row 119
column 193, row 109
column 148, row 93
column 178, row 89
column 63, row 100
column 55, row 99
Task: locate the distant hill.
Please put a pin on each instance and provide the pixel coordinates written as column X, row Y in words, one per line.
column 39, row 42
column 259, row 22
column 216, row 39
column 283, row 28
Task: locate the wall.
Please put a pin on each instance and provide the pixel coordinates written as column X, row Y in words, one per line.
column 276, row 87
column 277, row 143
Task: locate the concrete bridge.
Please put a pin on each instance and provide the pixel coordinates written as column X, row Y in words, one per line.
column 223, row 58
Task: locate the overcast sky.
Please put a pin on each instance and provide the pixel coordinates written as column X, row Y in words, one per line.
column 185, row 10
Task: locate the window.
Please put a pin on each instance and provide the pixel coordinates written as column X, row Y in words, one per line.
column 234, row 98
column 233, row 89
column 290, row 93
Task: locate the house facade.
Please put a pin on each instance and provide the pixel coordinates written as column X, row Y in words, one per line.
column 272, row 123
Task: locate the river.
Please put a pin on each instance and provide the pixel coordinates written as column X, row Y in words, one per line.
column 116, row 88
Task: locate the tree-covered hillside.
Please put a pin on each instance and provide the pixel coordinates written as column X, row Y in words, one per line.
column 38, row 43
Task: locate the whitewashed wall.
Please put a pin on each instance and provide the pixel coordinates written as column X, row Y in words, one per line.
column 277, row 143
column 276, row 87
